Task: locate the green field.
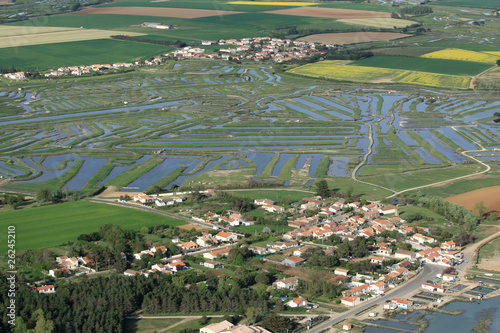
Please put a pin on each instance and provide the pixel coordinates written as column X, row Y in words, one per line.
column 48, row 226
column 276, row 195
column 468, row 3
column 440, row 66
column 78, row 53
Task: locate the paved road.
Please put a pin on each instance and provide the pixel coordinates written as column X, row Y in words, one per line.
column 428, row 273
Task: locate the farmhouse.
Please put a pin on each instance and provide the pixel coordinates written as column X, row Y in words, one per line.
column 50, row 289
column 293, row 261
column 287, row 283
column 297, row 302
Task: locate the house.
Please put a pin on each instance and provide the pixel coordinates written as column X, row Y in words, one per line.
column 258, row 250
column 50, row 289
column 130, row 272
column 404, row 254
column 449, row 277
column 369, row 207
column 298, row 252
column 84, row 260
column 216, row 253
column 226, row 237
column 347, row 327
column 188, row 246
column 142, row 198
column 448, row 246
column 262, row 202
column 273, row 208
column 378, row 286
column 227, row 327
column 378, row 260
column 351, row 300
column 176, row 265
column 341, row 271
column 401, row 303
column 286, row 283
column 433, row 287
column 216, row 327
column 293, row 261
column 163, row 202
column 212, row 264
column 297, row 302
column 309, row 205
column 360, row 290
column 384, row 250
column 206, row 241
column 421, row 239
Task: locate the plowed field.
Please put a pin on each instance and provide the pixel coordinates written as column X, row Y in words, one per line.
column 490, row 196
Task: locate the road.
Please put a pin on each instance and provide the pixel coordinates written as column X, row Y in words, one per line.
column 157, row 211
column 428, row 273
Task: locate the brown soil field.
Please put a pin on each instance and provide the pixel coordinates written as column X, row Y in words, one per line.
column 352, row 37
column 336, row 13
column 156, row 11
column 490, row 196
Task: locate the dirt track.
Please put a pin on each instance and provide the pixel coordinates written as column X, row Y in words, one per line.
column 490, row 195
column 352, row 37
column 336, row 13
column 156, row 11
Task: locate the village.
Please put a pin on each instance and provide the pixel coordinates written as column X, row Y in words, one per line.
column 386, row 262
column 257, row 49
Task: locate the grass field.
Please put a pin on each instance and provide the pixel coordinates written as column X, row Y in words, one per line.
column 78, row 53
column 276, row 194
column 440, row 66
column 379, row 22
column 468, row 3
column 53, row 225
column 291, row 4
column 16, row 36
column 144, row 325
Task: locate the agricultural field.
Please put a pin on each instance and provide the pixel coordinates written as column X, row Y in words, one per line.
column 378, row 22
column 463, row 55
column 347, row 71
column 439, row 66
column 15, row 36
column 152, row 11
column 352, row 37
column 48, row 226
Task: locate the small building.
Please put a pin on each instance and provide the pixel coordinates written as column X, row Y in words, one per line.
column 401, row 303
column 297, row 302
column 50, row 289
column 347, row 327
column 286, row 283
column 350, row 300
column 341, row 271
column 293, row 261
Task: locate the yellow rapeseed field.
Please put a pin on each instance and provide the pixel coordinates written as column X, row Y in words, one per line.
column 269, row 3
column 465, row 55
column 336, row 70
column 435, row 80
column 14, row 36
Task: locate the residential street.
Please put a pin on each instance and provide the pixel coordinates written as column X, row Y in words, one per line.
column 428, row 273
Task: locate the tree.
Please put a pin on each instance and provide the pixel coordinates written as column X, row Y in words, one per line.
column 262, row 278
column 252, row 314
column 42, row 325
column 157, row 189
column 277, row 324
column 394, row 15
column 480, row 208
column 44, row 194
column 322, row 188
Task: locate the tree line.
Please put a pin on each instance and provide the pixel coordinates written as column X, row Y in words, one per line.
column 177, row 43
